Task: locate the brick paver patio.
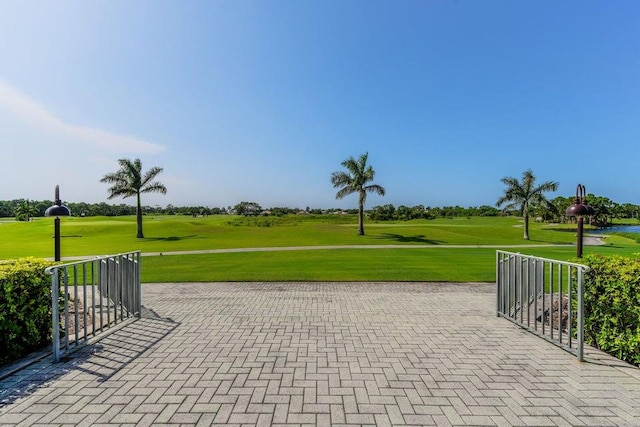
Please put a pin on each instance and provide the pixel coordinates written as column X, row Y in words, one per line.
column 322, row 354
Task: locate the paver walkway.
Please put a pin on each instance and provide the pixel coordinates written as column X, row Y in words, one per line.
column 323, row 354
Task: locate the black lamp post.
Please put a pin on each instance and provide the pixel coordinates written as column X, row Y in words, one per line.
column 57, row 210
column 579, row 209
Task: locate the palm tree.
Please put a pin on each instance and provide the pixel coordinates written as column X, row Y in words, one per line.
column 24, row 211
column 355, row 181
column 129, row 181
column 524, row 195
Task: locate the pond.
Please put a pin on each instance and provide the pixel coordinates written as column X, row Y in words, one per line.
column 617, row 228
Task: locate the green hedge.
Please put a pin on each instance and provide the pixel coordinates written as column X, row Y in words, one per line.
column 25, row 307
column 612, row 306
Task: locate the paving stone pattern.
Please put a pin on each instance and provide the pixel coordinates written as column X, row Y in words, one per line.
column 322, row 354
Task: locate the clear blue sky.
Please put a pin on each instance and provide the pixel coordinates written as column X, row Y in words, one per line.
column 262, row 100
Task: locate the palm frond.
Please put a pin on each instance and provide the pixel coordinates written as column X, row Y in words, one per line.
column 362, row 162
column 154, row 187
column 343, row 192
column 119, row 190
column 547, row 186
column 150, row 175
column 375, row 188
column 528, row 180
column 111, row 177
column 340, row 179
column 351, row 165
column 510, row 181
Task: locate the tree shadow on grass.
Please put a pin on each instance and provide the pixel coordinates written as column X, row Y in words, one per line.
column 418, row 238
column 172, row 238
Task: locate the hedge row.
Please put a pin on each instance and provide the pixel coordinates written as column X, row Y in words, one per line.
column 25, row 307
column 612, row 306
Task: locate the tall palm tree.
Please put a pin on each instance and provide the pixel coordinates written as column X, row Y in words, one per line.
column 355, row 181
column 129, row 181
column 523, row 195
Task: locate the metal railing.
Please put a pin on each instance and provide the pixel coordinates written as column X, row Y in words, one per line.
column 544, row 296
column 89, row 297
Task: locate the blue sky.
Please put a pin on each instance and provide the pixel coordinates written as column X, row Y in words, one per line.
column 262, row 100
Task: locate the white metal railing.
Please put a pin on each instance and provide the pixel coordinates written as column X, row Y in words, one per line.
column 544, row 296
column 90, row 296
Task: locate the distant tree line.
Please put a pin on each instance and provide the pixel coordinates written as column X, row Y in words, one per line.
column 405, row 213
column 254, row 209
column 23, row 209
column 606, row 210
column 18, row 208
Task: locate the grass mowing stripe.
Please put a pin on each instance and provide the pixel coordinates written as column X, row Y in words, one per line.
column 325, row 265
column 447, row 265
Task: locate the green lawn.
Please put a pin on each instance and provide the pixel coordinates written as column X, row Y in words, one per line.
column 326, row 265
column 101, row 235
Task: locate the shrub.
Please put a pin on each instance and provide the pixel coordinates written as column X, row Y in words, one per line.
column 612, row 306
column 25, row 307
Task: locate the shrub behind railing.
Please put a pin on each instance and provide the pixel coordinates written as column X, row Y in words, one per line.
column 612, row 306
column 25, row 307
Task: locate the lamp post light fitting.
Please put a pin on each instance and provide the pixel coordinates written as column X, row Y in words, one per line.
column 580, row 209
column 57, row 210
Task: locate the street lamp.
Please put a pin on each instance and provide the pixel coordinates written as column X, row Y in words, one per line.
column 57, row 210
column 579, row 209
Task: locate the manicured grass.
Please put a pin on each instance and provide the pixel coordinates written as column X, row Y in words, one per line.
column 99, row 235
column 446, row 264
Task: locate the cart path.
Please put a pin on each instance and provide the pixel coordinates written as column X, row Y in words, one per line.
column 331, row 247
column 588, row 241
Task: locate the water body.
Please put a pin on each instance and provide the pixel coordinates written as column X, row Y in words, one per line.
column 617, row 228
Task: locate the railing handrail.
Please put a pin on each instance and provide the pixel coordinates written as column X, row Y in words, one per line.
column 49, row 270
column 555, row 261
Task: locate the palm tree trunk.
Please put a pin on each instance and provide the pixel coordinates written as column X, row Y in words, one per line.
column 140, row 235
column 361, row 216
column 526, row 226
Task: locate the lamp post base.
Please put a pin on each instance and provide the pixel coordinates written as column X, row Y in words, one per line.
column 580, row 235
column 56, row 238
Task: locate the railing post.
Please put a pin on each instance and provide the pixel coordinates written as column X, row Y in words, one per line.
column 498, row 287
column 580, row 330
column 55, row 314
column 138, row 259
